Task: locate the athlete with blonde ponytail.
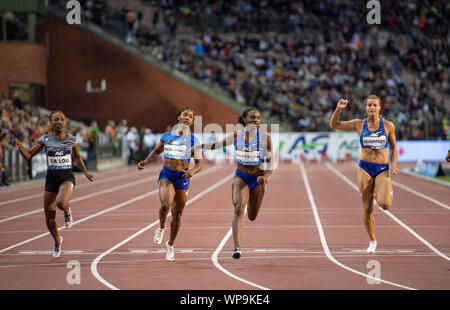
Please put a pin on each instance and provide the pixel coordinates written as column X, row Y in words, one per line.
column 61, row 148
column 374, row 180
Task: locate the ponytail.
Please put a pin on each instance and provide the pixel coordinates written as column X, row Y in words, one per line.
column 48, row 129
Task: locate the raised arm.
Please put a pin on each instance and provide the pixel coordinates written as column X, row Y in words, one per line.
column 31, row 152
column 335, row 123
column 392, row 147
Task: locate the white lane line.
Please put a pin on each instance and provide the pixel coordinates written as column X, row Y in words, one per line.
column 421, row 195
column 324, row 241
column 424, row 177
column 78, row 186
column 228, row 273
column 196, row 259
column 120, row 205
column 98, row 258
column 392, row 216
column 117, row 206
column 415, row 192
column 30, row 252
column 105, row 191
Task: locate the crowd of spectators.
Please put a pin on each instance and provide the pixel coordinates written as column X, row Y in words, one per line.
column 295, row 60
column 299, row 81
column 28, row 123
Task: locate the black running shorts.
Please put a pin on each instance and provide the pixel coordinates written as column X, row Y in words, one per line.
column 55, row 178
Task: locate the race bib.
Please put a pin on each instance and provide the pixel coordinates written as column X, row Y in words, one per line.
column 374, row 141
column 57, row 160
column 174, row 151
column 247, row 157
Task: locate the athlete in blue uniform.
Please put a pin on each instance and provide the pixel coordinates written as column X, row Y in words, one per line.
column 61, row 148
column 175, row 175
column 376, row 134
column 253, row 152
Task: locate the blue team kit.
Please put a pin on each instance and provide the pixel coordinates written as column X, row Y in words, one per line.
column 177, row 147
column 374, row 140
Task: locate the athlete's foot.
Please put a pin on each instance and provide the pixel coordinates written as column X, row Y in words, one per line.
column 159, row 233
column 237, row 253
column 57, row 247
column 68, row 220
column 372, row 247
column 170, row 256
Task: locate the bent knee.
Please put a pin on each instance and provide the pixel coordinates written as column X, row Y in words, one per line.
column 384, row 205
column 62, row 204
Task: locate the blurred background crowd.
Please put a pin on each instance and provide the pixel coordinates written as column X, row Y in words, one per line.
column 28, row 123
column 293, row 60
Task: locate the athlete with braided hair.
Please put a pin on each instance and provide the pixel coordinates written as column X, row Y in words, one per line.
column 61, row 149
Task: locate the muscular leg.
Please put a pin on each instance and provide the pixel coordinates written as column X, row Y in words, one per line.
column 177, row 211
column 63, row 196
column 50, row 212
column 255, row 201
column 240, row 195
column 166, row 196
column 383, row 190
column 366, row 188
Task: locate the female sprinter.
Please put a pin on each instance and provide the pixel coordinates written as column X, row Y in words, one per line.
column 253, row 147
column 174, row 177
column 373, row 172
column 60, row 148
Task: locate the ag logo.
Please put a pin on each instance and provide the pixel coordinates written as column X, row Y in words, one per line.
column 74, row 15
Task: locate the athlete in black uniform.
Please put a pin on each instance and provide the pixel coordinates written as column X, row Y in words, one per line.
column 60, row 148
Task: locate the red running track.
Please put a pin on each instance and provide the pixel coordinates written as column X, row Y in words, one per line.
column 309, row 235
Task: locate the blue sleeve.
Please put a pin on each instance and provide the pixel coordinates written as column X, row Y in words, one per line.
column 164, row 137
column 41, row 139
